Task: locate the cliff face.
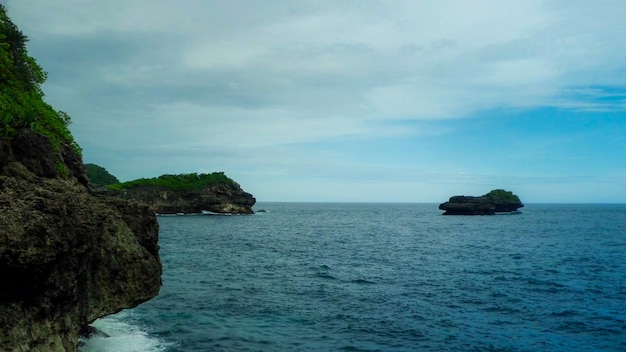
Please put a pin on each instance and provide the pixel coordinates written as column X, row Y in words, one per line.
column 220, row 198
column 67, row 257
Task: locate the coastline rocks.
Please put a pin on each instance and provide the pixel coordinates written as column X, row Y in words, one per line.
column 496, row 201
column 67, row 257
column 221, row 198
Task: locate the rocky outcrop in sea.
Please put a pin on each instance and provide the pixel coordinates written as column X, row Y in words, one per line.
column 496, row 201
column 218, row 198
column 67, row 257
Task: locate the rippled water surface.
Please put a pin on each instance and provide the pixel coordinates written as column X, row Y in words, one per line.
column 386, row 277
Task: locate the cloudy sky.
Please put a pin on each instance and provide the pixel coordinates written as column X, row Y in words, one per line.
column 356, row 100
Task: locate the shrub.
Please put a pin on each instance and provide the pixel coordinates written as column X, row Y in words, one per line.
column 21, row 97
column 178, row 182
column 503, row 195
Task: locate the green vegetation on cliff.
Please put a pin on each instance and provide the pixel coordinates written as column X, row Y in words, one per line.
column 178, row 182
column 21, row 99
column 99, row 175
column 503, row 195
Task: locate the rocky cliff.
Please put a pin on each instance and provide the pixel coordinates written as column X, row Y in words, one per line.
column 217, row 198
column 67, row 257
column 496, row 201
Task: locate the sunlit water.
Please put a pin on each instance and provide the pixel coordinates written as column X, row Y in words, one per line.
column 384, row 277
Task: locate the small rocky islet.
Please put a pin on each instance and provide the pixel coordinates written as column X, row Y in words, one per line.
column 496, row 201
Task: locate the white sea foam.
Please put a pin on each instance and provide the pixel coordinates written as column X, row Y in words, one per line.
column 123, row 336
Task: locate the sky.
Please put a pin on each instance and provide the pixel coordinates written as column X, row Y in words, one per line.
column 347, row 100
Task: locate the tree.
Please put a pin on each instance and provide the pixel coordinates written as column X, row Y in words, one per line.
column 99, row 175
column 21, row 97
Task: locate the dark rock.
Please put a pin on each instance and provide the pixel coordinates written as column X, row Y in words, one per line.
column 90, row 331
column 467, row 205
column 220, row 198
column 493, row 202
column 36, row 152
column 67, row 257
column 75, row 164
column 41, row 158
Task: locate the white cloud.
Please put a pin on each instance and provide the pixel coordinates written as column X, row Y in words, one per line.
column 243, row 76
column 407, row 59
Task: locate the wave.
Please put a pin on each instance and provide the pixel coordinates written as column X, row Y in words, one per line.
column 325, row 276
column 121, row 334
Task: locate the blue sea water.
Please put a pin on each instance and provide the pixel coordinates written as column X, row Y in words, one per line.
column 384, row 277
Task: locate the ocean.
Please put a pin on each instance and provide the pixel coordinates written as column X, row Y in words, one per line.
column 384, row 277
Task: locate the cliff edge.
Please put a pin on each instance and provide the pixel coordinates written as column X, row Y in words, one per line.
column 67, row 257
